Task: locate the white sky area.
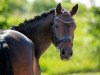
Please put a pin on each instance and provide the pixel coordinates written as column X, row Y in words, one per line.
column 86, row 2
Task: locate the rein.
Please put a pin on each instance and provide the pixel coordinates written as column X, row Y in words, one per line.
column 65, row 38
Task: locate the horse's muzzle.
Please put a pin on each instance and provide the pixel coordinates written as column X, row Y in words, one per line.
column 65, row 54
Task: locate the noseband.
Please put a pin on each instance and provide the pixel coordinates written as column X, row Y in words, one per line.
column 65, row 38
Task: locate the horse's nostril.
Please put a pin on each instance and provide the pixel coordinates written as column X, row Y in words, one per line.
column 63, row 53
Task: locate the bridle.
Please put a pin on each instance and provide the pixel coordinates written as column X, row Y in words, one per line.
column 56, row 18
column 65, row 38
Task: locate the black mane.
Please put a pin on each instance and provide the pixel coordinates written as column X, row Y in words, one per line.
column 36, row 18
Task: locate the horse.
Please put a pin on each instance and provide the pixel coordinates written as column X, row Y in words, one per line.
column 16, row 53
column 56, row 26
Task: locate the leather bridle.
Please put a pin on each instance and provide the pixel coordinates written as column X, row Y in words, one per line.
column 65, row 38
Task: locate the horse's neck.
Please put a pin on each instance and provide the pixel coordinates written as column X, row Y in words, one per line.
column 39, row 33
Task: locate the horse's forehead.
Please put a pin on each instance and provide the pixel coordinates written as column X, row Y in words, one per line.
column 65, row 15
column 64, row 11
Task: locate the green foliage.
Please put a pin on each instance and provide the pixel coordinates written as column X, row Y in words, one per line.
column 95, row 32
column 95, row 22
column 8, row 6
column 43, row 5
column 7, row 9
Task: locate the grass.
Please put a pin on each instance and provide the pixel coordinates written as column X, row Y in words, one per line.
column 80, row 62
column 87, row 73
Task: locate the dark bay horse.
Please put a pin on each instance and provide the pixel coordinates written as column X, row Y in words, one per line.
column 55, row 26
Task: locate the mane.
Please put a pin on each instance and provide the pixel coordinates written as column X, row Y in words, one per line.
column 36, row 18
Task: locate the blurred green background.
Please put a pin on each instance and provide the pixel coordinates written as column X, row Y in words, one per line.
column 86, row 49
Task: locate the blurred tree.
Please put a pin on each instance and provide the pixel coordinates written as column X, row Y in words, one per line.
column 66, row 0
column 43, row 5
column 95, row 31
column 8, row 7
column 95, row 22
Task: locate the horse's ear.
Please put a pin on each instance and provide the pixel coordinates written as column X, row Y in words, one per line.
column 74, row 10
column 58, row 9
